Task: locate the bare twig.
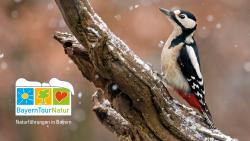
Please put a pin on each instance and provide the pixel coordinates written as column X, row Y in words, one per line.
column 135, row 92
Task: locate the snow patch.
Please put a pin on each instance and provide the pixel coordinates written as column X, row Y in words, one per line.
column 92, row 30
column 54, row 82
column 176, row 108
column 106, row 103
column 216, row 134
column 139, row 61
column 102, row 25
column 23, row 82
column 193, row 113
column 111, row 48
column 44, row 84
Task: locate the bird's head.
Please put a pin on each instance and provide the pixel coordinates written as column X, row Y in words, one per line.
column 181, row 19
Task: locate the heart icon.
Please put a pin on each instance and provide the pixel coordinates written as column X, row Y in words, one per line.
column 60, row 96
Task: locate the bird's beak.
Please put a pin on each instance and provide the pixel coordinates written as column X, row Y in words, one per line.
column 166, row 12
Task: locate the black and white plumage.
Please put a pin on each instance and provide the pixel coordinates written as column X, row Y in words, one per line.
column 180, row 61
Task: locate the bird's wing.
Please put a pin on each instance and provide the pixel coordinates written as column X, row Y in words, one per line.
column 188, row 61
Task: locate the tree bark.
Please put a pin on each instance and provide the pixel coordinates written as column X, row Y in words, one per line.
column 132, row 101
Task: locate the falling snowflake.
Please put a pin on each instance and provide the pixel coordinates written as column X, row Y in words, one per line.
column 1, row 55
column 210, row 18
column 161, row 44
column 133, row 7
column 118, row 17
column 70, row 61
column 96, row 76
column 114, row 87
column 247, row 66
column 203, row 32
column 3, row 65
column 136, row 6
column 218, row 25
column 79, row 95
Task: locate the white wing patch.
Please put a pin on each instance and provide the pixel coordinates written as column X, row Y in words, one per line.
column 195, row 86
column 194, row 61
column 199, row 94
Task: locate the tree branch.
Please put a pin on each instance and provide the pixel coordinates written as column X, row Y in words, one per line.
column 135, row 92
column 110, row 118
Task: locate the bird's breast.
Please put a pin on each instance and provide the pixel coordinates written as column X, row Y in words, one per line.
column 170, row 67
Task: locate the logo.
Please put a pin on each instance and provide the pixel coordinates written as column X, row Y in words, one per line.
column 43, row 99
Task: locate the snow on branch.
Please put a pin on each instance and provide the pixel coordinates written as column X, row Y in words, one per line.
column 136, row 104
column 110, row 118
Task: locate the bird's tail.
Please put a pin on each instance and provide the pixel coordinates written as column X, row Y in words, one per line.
column 207, row 116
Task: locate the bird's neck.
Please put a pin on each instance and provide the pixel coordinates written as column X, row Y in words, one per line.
column 181, row 36
column 176, row 32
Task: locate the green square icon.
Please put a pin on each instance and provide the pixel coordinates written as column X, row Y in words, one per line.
column 61, row 96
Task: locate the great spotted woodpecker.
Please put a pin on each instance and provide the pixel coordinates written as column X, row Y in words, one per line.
column 180, row 61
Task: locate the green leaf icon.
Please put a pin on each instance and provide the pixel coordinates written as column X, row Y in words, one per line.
column 43, row 94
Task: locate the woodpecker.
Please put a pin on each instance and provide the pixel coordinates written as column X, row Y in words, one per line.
column 180, row 61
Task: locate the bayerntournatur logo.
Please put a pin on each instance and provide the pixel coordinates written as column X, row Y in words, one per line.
column 43, row 99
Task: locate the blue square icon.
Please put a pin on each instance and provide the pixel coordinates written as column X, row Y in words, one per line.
column 25, row 96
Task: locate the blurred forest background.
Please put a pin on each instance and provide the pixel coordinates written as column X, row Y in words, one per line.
column 27, row 49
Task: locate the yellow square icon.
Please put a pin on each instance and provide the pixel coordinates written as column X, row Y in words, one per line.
column 43, row 96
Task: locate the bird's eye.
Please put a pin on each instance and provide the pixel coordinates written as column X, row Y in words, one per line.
column 182, row 16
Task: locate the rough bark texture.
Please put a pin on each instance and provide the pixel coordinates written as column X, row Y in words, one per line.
column 132, row 100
